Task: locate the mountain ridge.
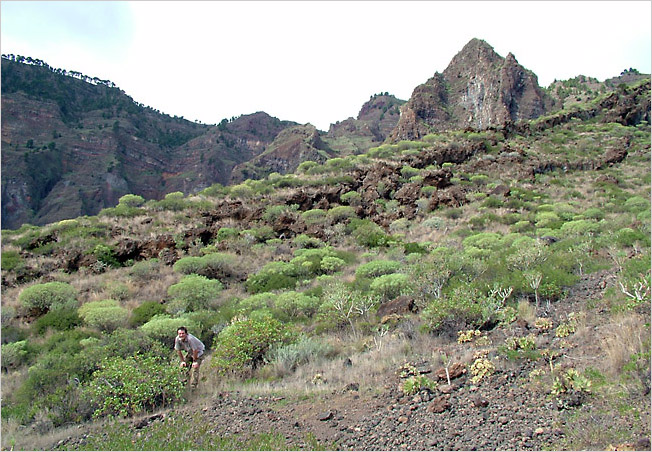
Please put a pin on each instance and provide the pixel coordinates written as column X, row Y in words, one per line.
column 72, row 145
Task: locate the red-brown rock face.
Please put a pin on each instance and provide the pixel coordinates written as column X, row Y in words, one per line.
column 478, row 89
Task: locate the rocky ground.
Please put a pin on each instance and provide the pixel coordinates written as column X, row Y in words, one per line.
column 502, row 412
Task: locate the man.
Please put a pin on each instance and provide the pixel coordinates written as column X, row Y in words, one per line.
column 194, row 349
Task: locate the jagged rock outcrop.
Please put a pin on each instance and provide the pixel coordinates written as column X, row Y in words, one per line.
column 478, row 89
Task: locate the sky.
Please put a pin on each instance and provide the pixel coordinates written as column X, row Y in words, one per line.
column 314, row 61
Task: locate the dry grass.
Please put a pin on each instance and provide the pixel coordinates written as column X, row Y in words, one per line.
column 527, row 311
column 373, row 368
column 626, row 336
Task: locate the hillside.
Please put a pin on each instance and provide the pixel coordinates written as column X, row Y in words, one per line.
column 339, row 299
column 73, row 145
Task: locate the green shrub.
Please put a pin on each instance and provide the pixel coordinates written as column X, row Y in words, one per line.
column 547, row 220
column 124, row 343
column 296, row 304
column 368, row 234
column 484, row 241
column 188, row 265
column 377, row 268
column 314, row 216
column 241, row 191
column 492, row 202
column 273, row 276
column 341, row 213
column 40, row 298
column 174, row 201
column 11, row 260
column 145, row 270
column 15, row 354
column 107, row 315
column 130, row 200
column 241, row 346
column 226, row 234
column 391, row 286
column 407, row 172
column 593, row 213
column 105, row 255
column 416, row 383
column 309, row 262
column 260, row 234
column 628, row 237
column 521, row 226
column 580, row 227
column 331, row 264
column 192, row 293
column 461, row 309
column 212, row 265
column 305, row 166
column 264, row 300
column 143, row 313
column 49, row 384
column 163, row 327
column 637, row 204
column 305, row 241
column 274, row 211
column 285, row 358
column 121, row 210
column 129, row 386
column 60, row 320
column 352, row 198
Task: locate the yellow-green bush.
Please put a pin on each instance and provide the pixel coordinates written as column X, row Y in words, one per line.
column 192, row 293
column 106, row 315
column 241, row 346
column 40, row 298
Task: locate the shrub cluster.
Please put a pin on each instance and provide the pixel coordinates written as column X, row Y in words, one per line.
column 241, row 346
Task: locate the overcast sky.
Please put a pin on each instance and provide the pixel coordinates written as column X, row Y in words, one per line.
column 310, row 61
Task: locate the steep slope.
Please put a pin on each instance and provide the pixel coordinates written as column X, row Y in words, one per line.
column 290, row 147
column 375, row 121
column 478, row 89
column 564, row 368
column 72, row 145
column 377, row 118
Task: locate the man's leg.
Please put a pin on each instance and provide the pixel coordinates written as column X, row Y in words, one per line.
column 194, row 372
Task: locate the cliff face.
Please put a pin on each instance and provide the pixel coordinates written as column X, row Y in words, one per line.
column 478, row 89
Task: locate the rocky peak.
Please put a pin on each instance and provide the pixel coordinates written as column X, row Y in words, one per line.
column 478, row 89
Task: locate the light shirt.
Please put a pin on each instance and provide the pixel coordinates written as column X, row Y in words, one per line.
column 191, row 343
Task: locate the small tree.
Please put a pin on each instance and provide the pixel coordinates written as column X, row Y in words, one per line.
column 345, row 305
column 130, row 200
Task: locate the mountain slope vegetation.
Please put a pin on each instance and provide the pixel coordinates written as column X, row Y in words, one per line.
column 484, row 289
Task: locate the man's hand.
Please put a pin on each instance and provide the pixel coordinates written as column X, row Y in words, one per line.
column 183, row 364
column 195, row 364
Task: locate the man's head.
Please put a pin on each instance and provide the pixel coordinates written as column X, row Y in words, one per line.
column 182, row 332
